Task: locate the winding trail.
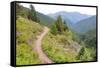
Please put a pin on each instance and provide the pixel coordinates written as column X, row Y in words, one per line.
column 42, row 56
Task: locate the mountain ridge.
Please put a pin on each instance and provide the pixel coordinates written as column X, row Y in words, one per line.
column 74, row 17
column 85, row 25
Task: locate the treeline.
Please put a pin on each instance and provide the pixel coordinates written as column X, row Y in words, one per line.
column 29, row 13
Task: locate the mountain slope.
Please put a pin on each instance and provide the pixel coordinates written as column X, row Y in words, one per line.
column 74, row 17
column 26, row 33
column 24, row 12
column 44, row 19
column 85, row 25
column 90, row 38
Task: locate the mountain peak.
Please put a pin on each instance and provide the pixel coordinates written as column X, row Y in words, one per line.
column 74, row 17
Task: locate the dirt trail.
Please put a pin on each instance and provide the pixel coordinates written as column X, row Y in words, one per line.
column 42, row 56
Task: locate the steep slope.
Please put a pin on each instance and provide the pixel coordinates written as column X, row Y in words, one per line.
column 44, row 19
column 24, row 12
column 90, row 38
column 61, row 48
column 26, row 32
column 85, row 25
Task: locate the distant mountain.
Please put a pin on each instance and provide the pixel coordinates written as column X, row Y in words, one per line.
column 85, row 25
column 45, row 20
column 74, row 17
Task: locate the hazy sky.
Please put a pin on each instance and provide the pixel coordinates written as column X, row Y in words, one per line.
column 48, row 9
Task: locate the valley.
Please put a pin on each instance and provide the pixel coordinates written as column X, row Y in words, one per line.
column 54, row 38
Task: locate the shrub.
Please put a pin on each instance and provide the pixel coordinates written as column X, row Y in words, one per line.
column 25, row 55
column 26, row 33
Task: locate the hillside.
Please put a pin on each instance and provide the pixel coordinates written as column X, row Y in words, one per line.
column 89, row 38
column 61, row 48
column 85, row 25
column 36, row 43
column 74, row 17
column 45, row 20
column 26, row 33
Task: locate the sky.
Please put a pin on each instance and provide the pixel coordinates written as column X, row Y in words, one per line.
column 49, row 9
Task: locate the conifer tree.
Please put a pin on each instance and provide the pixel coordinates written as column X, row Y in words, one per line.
column 33, row 14
column 54, row 29
column 81, row 54
column 65, row 26
column 59, row 24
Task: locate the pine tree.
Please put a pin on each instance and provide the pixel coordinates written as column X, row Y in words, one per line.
column 81, row 54
column 33, row 14
column 65, row 26
column 59, row 24
column 30, row 15
column 54, row 29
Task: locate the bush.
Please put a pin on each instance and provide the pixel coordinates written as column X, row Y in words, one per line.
column 25, row 55
column 86, row 54
column 53, row 46
column 26, row 34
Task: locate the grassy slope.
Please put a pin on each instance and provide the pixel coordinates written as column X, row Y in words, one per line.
column 26, row 35
column 60, row 48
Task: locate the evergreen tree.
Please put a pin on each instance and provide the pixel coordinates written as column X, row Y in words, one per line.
column 32, row 14
column 59, row 24
column 65, row 26
column 81, row 54
column 54, row 29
